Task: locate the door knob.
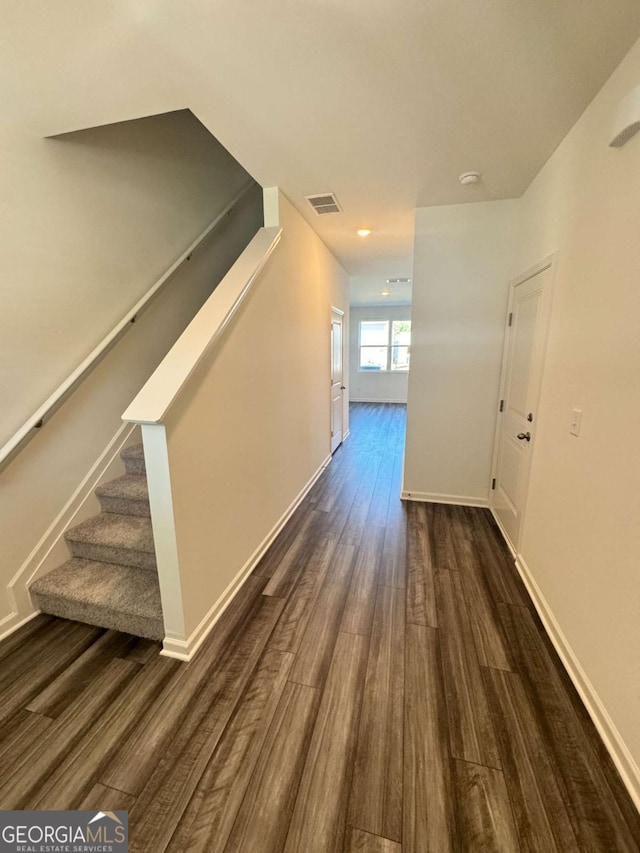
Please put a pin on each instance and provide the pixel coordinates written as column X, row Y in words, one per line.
column 524, row 436
column 343, row 387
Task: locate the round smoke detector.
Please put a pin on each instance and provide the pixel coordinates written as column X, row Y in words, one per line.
column 467, row 178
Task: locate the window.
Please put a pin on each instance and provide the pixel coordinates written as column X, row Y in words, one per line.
column 384, row 345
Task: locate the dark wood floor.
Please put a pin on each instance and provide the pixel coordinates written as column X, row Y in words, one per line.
column 381, row 684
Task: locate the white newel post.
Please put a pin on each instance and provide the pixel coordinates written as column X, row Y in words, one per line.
column 156, row 456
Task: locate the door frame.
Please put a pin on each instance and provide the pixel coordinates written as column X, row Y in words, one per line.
column 550, row 262
column 333, row 309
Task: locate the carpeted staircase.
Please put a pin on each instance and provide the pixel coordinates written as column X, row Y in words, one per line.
column 111, row 579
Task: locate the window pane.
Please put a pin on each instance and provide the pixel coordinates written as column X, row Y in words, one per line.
column 374, row 333
column 373, row 358
column 401, row 332
column 400, row 358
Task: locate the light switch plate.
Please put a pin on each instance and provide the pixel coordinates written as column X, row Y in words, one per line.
column 576, row 422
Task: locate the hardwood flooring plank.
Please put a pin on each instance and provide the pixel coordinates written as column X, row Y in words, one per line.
column 314, row 656
column 594, row 810
column 376, row 789
column 72, row 681
column 343, row 486
column 210, row 815
column 379, row 506
column 459, row 528
column 27, row 636
column 162, row 802
column 484, row 810
column 334, row 522
column 103, row 799
column 355, row 526
column 16, row 659
column 429, row 806
column 263, row 820
column 23, row 678
column 488, row 634
column 143, row 651
column 288, row 633
column 76, row 773
column 319, row 817
column 131, row 766
column 421, row 601
column 363, row 842
column 279, row 547
column 393, row 569
column 36, row 764
column 285, row 575
column 21, row 734
column 444, row 555
column 540, row 815
column 497, row 563
column 470, row 724
column 361, row 598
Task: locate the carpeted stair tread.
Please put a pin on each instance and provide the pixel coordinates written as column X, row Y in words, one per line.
column 113, row 538
column 127, row 495
column 108, row 595
column 133, row 458
column 130, row 486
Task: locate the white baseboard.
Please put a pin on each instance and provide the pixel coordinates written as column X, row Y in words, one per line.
column 622, row 758
column 504, row 533
column 434, row 498
column 185, row 649
column 346, row 435
column 376, row 400
column 51, row 550
column 14, row 621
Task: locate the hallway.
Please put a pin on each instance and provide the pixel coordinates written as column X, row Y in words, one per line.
column 381, row 683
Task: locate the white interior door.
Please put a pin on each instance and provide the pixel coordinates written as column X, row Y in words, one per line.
column 522, row 375
column 337, row 384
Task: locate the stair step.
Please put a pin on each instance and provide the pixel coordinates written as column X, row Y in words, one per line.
column 125, row 540
column 133, row 458
column 127, row 495
column 111, row 596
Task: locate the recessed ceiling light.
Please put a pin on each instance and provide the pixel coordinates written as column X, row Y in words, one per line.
column 384, row 292
column 364, row 232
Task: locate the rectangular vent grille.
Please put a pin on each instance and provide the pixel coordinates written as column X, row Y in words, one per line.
column 324, row 203
column 398, row 280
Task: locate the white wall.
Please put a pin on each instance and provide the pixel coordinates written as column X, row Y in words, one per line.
column 372, row 386
column 90, row 220
column 581, row 537
column 90, row 223
column 257, row 412
column 460, row 279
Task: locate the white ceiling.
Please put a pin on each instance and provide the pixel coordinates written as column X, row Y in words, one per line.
column 383, row 103
column 367, row 289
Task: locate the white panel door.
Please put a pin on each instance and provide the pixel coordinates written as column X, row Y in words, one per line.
column 522, row 377
column 337, row 386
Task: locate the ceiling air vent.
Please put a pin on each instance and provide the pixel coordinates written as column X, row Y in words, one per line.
column 398, row 280
column 324, row 203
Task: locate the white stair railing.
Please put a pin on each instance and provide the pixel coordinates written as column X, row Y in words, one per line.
column 33, row 424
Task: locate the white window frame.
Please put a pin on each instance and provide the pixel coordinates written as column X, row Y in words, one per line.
column 389, row 345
